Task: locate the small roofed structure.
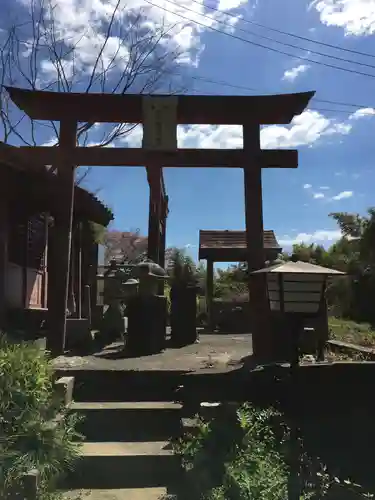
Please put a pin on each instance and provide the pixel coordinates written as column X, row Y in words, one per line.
column 231, row 246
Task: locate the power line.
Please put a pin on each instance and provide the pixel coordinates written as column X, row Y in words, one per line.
column 286, row 44
column 325, row 110
column 252, row 89
column 293, row 35
column 255, row 44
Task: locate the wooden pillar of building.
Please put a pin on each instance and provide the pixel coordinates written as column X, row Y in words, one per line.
column 93, row 271
column 62, row 238
column 210, row 292
column 71, row 301
column 259, row 310
column 45, row 261
column 163, row 230
column 162, row 242
column 4, row 227
column 77, row 268
column 89, row 265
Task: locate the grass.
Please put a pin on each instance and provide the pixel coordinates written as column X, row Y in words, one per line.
column 349, row 331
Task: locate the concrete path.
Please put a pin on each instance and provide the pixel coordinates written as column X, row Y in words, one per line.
column 214, row 352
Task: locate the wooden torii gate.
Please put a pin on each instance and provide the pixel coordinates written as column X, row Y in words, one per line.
column 160, row 116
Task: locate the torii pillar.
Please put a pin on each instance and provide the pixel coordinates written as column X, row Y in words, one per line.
column 58, row 302
column 159, row 135
column 258, row 297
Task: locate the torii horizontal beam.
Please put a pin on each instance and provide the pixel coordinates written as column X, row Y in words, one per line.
column 276, row 109
column 209, row 158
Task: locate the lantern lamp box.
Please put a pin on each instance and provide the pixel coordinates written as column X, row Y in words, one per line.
column 296, row 287
column 160, row 123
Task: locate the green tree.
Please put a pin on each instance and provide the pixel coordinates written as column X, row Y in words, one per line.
column 181, row 267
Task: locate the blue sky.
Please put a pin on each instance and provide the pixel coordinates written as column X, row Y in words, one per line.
column 336, row 143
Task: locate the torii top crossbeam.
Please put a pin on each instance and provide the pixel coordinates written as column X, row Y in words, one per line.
column 128, row 108
column 191, row 109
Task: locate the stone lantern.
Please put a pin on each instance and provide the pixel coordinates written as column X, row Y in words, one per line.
column 147, row 311
column 112, row 284
column 130, row 287
column 149, row 275
column 113, row 323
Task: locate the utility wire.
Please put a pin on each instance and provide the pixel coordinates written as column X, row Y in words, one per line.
column 252, row 89
column 255, row 44
column 325, row 110
column 286, row 44
column 293, row 35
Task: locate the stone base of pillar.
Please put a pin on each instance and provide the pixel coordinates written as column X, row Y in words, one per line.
column 147, row 325
column 183, row 316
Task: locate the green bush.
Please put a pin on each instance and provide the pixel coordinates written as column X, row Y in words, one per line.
column 234, row 456
column 242, row 454
column 29, row 438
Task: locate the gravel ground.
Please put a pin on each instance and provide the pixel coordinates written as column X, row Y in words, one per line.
column 214, row 352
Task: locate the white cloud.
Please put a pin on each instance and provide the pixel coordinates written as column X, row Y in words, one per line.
column 307, row 186
column 82, row 26
column 356, row 17
column 305, row 130
column 343, row 195
column 324, row 188
column 318, row 196
column 225, row 5
column 360, row 113
column 320, row 236
column 291, row 74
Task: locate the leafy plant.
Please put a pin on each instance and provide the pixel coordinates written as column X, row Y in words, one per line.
column 234, row 456
column 182, row 269
column 36, row 431
column 243, row 454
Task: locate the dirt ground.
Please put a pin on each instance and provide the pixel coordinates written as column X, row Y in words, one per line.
column 213, row 352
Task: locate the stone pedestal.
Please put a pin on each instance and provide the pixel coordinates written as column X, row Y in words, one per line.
column 147, row 322
column 183, row 315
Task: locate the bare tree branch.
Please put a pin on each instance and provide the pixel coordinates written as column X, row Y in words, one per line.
column 126, row 53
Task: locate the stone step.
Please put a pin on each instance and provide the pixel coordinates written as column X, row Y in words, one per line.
column 190, row 425
column 118, row 494
column 125, row 405
column 126, row 385
column 119, row 465
column 128, row 421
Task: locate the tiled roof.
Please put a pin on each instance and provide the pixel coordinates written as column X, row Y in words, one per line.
column 85, row 201
column 233, row 240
